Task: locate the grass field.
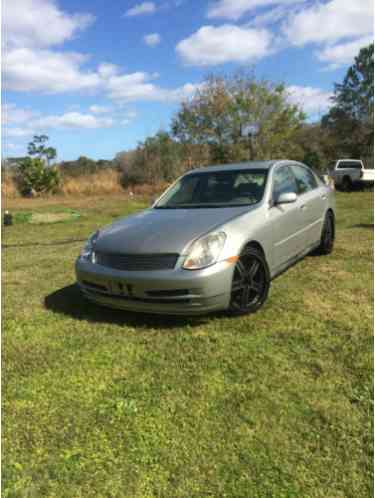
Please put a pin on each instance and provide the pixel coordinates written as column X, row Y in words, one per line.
column 99, row 403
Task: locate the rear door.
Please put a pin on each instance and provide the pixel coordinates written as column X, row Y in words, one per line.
column 312, row 203
column 285, row 219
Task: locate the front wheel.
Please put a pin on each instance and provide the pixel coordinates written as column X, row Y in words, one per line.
column 328, row 235
column 251, row 282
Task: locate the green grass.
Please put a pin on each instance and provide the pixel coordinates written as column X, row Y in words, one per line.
column 56, row 215
column 100, row 403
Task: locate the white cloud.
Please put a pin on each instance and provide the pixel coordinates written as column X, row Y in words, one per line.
column 71, row 120
column 32, row 26
column 30, row 66
column 46, row 71
column 139, row 87
column 40, row 23
column 130, row 87
column 10, row 113
column 34, row 122
column 234, row 9
column 272, row 16
column 330, row 22
column 311, row 100
column 99, row 109
column 343, row 53
column 183, row 92
column 106, row 69
column 152, row 39
column 16, row 132
column 212, row 45
column 141, row 9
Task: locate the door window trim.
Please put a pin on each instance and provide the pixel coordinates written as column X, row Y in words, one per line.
column 277, row 168
column 299, row 194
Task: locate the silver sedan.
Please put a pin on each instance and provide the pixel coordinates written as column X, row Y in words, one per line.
column 213, row 241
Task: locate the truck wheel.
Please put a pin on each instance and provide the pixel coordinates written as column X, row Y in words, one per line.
column 347, row 184
column 328, row 235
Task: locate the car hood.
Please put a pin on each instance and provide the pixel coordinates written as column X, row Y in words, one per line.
column 163, row 230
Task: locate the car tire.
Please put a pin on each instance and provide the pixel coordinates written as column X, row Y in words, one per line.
column 250, row 284
column 328, row 235
column 347, row 185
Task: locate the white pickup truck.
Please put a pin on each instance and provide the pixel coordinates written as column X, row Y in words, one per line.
column 350, row 173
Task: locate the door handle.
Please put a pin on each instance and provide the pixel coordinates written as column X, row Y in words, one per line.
column 303, row 206
column 324, row 197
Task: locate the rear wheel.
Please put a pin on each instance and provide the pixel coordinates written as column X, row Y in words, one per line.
column 328, row 235
column 347, row 184
column 251, row 282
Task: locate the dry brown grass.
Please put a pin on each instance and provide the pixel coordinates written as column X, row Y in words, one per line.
column 102, row 182
column 9, row 187
column 146, row 190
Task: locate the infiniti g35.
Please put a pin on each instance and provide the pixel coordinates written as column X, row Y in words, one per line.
column 213, row 241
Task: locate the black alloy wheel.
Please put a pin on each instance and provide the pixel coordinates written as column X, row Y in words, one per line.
column 251, row 282
column 328, row 235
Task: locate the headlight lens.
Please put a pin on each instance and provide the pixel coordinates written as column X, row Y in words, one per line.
column 87, row 251
column 205, row 251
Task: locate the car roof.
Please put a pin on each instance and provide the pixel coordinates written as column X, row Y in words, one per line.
column 266, row 165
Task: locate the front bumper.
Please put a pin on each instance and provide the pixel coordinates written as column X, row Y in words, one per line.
column 174, row 292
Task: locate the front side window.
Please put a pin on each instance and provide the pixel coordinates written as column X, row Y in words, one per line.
column 305, row 179
column 283, row 182
column 216, row 189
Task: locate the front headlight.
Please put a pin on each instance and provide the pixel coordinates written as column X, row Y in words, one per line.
column 205, row 251
column 87, row 251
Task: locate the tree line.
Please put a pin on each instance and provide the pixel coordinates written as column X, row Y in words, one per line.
column 209, row 129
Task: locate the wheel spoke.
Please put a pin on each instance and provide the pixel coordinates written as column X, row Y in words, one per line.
column 241, row 269
column 238, row 286
column 245, row 296
column 253, row 268
column 256, row 287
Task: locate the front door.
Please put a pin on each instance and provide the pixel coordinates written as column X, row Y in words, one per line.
column 285, row 219
column 312, row 199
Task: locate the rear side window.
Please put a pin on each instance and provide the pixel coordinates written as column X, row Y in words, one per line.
column 283, row 182
column 349, row 164
column 305, row 179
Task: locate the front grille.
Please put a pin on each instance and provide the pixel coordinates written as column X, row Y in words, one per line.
column 137, row 262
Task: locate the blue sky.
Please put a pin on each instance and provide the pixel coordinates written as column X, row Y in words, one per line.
column 98, row 77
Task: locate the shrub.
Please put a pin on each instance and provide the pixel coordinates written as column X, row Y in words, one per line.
column 35, row 176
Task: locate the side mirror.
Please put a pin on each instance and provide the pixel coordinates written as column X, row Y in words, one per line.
column 286, row 198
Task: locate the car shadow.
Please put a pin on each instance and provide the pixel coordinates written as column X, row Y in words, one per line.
column 69, row 301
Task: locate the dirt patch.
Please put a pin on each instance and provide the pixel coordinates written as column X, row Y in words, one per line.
column 38, row 218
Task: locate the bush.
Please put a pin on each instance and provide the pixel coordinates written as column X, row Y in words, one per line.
column 35, row 176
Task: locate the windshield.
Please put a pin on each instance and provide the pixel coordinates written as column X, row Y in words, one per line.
column 216, row 189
